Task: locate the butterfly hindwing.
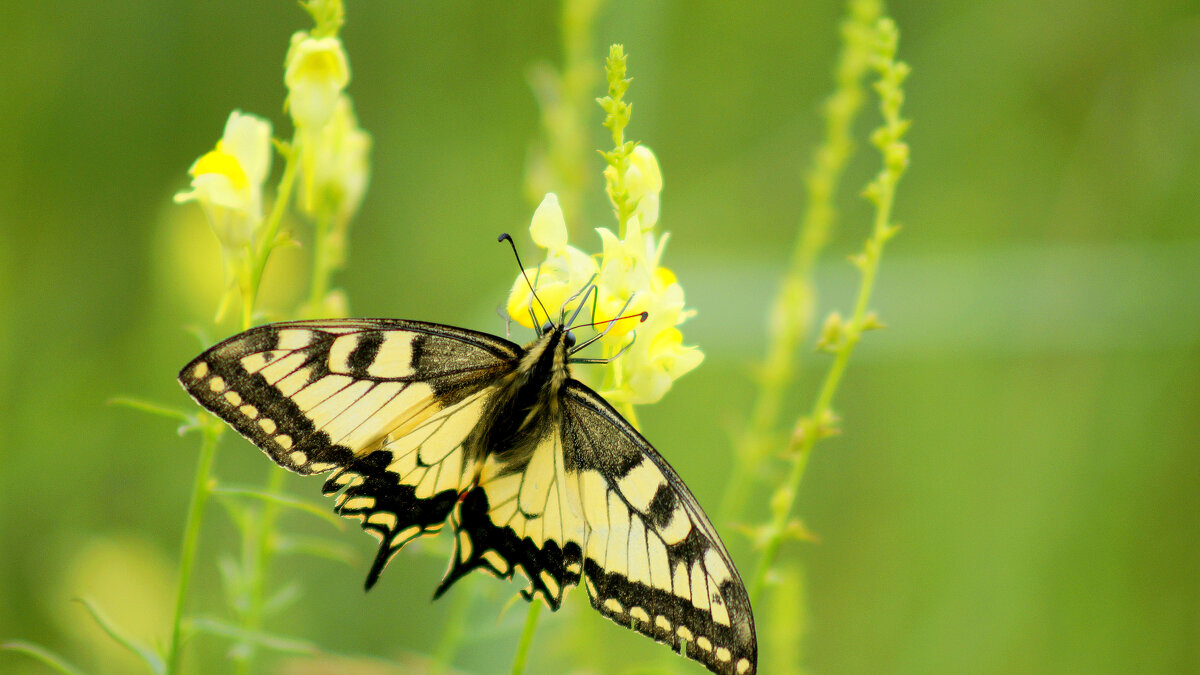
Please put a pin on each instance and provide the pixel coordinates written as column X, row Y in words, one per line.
column 652, row 560
column 526, row 516
column 596, row 504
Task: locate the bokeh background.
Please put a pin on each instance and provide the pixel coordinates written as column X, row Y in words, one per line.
column 1017, row 488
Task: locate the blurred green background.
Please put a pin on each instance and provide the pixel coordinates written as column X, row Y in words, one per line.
column 1017, row 488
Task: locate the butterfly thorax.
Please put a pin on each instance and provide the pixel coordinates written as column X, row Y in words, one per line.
column 527, row 404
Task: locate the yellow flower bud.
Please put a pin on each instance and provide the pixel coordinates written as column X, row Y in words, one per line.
column 564, row 272
column 548, row 227
column 317, row 72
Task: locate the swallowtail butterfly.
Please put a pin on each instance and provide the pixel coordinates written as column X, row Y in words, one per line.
column 419, row 424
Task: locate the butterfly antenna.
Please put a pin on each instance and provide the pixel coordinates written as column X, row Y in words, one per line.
column 504, row 237
column 612, row 358
column 611, row 322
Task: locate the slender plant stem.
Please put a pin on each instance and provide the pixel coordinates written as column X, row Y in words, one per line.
column 535, row 608
column 322, row 263
column 795, row 299
column 209, row 433
column 801, row 445
column 453, row 630
column 881, row 191
column 270, row 231
column 256, row 557
column 257, row 561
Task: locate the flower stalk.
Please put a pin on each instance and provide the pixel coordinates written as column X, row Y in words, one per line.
column 844, row 336
column 791, row 313
column 328, row 152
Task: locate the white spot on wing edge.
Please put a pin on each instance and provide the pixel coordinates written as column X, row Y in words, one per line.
column 200, row 371
column 743, row 666
column 358, row 503
column 640, row 614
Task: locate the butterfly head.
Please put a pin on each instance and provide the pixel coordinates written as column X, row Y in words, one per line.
column 568, row 336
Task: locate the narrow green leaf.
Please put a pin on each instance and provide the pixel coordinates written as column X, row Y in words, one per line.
column 44, row 655
column 282, row 599
column 283, row 500
column 279, row 643
column 153, row 409
column 152, row 659
column 317, row 547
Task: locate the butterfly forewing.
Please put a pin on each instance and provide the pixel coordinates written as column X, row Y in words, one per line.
column 387, row 403
column 423, row 424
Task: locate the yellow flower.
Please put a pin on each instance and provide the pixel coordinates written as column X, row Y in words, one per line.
column 643, row 182
column 657, row 357
column 565, row 271
column 643, row 179
column 627, row 277
column 317, row 72
column 341, row 168
column 227, row 181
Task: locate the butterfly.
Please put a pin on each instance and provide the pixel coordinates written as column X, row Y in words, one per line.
column 420, row 424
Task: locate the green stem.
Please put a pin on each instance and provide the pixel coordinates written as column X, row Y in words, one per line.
column 270, row 231
column 453, row 631
column 881, row 192
column 210, row 432
column 322, row 264
column 256, row 560
column 795, row 300
column 535, row 608
column 801, row 445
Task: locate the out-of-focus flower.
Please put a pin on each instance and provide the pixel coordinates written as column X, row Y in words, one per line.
column 643, row 182
column 316, row 73
column 340, row 169
column 227, row 181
